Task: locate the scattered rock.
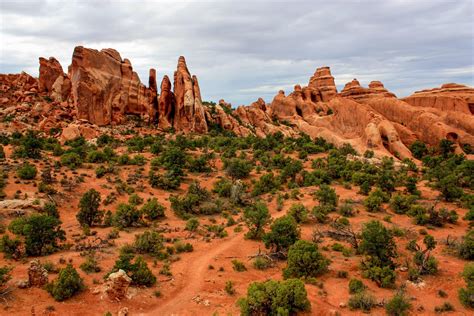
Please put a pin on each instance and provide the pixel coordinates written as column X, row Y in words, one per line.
column 117, row 285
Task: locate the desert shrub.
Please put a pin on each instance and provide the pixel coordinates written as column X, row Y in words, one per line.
column 149, row 242
column 401, row 203
column 379, row 247
column 237, row 168
column 275, row 298
column 2, row 152
column 265, row 184
column 466, row 295
column 238, row 266
column 90, row 265
column 229, row 288
column 89, row 213
column 418, row 149
column 11, row 248
column 183, row 247
column 283, row 233
column 346, row 209
column 305, row 260
column 398, row 305
column 384, row 276
column 197, row 201
column 320, row 213
column 170, row 180
column 449, row 187
column 378, row 244
column 327, row 197
column 363, row 301
column 375, row 200
column 66, row 285
column 126, row 216
column 466, row 247
column 29, row 146
column 261, row 263
column 41, row 233
column 192, row 224
column 71, row 160
column 299, row 212
column 356, row 286
column 223, row 187
column 152, row 209
column 138, row 269
column 256, row 217
column 26, row 171
column 443, row 308
column 5, row 276
column 200, row 164
column 50, row 209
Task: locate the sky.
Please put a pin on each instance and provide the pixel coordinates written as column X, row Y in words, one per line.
column 243, row 50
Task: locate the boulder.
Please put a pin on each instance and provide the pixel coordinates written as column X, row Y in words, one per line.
column 117, row 285
column 37, row 274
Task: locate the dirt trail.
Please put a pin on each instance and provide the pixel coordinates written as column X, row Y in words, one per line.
column 192, row 278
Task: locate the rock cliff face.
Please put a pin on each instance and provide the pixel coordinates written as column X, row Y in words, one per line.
column 101, row 88
column 105, row 87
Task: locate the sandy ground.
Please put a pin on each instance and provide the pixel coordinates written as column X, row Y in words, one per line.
column 194, row 288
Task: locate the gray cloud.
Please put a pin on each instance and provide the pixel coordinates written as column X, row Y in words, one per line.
column 242, row 50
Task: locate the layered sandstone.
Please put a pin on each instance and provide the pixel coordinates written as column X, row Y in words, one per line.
column 323, row 81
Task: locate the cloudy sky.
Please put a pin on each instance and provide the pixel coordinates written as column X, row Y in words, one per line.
column 242, row 50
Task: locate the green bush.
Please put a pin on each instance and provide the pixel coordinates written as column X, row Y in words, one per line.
column 192, row 224
column 384, row 276
column 398, row 305
column 375, row 200
column 153, row 210
column 229, row 287
column 11, row 248
column 356, row 286
column 275, row 298
column 299, row 212
column 466, row 295
column 66, row 285
column 223, row 187
column 401, row 203
column 238, row 266
column 127, row 216
column 90, row 265
column 283, row 233
column 327, row 197
column 378, row 244
column 149, row 242
column 418, row 149
column 89, row 213
column 267, row 183
column 305, row 260
column 261, row 263
column 170, row 180
column 466, row 247
column 237, row 168
column 41, row 233
column 26, row 171
column 71, row 160
column 363, row 301
column 137, row 270
column 256, row 217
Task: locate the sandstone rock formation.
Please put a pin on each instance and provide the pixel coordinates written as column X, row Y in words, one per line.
column 37, row 274
column 117, row 285
column 105, row 87
column 101, row 88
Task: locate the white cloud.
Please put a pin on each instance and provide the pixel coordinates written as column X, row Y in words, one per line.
column 242, row 50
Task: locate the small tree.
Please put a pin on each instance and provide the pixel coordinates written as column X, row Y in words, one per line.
column 66, row 285
column 378, row 244
column 126, row 216
column 237, row 168
column 418, row 149
column 256, row 217
column 398, row 305
column 299, row 212
column 327, row 197
column 275, row 298
column 305, row 260
column 153, row 210
column 283, row 233
column 41, row 232
column 466, row 295
column 27, row 171
column 89, row 213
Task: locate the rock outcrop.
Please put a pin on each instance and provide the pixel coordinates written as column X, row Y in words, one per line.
column 101, row 88
column 37, row 274
column 117, row 285
column 105, row 87
column 449, row 97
